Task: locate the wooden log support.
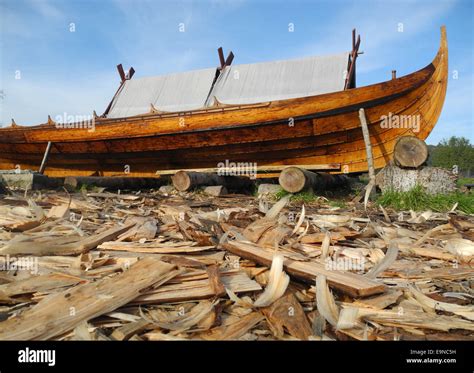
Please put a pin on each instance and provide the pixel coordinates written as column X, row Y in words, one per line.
column 433, row 180
column 368, row 145
column 410, row 152
column 368, row 150
column 45, row 157
column 187, row 180
column 122, row 183
column 296, row 179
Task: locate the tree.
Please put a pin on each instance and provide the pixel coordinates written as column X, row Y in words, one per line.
column 457, row 151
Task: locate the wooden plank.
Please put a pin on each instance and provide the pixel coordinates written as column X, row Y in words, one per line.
column 196, row 289
column 154, row 247
column 349, row 283
column 35, row 284
column 215, row 280
column 263, row 168
column 61, row 312
column 63, row 245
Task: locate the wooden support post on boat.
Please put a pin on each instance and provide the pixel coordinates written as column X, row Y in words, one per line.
column 229, row 59
column 130, row 73
column 123, row 78
column 220, row 52
column 45, row 157
column 410, row 152
column 187, row 180
column 121, row 72
column 296, row 179
column 224, row 62
column 368, row 150
column 351, row 74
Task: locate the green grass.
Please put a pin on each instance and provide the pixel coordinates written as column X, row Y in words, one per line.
column 304, row 196
column 337, row 203
column 308, row 197
column 418, row 200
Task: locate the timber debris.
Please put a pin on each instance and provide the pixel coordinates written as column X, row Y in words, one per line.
column 169, row 265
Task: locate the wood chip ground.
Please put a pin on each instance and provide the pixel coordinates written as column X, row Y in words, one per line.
column 190, row 266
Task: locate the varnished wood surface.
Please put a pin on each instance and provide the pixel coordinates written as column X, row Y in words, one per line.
column 326, row 130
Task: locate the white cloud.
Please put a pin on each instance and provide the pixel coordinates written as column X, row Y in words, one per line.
column 46, row 9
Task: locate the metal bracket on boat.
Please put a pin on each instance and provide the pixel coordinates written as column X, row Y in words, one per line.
column 227, row 61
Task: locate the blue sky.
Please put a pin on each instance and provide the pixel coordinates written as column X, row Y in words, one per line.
column 74, row 72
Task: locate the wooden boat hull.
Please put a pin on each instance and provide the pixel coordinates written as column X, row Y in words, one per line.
column 323, row 129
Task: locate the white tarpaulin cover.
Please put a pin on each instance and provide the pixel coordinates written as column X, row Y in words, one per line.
column 279, row 80
column 237, row 84
column 173, row 92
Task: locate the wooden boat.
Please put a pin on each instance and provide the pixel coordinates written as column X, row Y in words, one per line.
column 326, row 131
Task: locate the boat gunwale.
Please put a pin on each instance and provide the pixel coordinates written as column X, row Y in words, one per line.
column 394, row 83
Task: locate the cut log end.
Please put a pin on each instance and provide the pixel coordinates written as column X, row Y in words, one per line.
column 181, row 181
column 292, row 179
column 410, row 152
column 295, row 179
